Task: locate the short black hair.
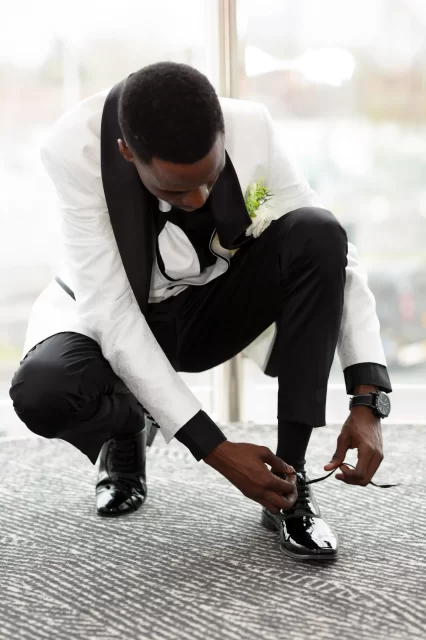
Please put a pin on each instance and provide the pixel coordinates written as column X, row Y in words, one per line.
column 171, row 111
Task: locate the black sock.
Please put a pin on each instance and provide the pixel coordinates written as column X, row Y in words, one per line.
column 293, row 440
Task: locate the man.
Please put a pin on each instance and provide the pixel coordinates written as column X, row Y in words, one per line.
column 165, row 271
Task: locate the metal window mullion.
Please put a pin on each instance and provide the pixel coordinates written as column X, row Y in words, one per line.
column 228, row 88
column 228, row 48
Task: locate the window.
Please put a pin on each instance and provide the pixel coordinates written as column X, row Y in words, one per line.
column 345, row 84
column 59, row 54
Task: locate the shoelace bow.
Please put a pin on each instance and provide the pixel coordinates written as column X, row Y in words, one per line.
column 303, row 480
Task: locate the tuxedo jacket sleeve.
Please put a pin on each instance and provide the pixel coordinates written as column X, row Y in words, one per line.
column 106, row 304
column 359, row 347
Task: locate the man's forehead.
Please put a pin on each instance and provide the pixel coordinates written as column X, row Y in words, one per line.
column 179, row 176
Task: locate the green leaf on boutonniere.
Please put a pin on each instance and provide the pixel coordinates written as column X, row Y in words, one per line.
column 256, row 195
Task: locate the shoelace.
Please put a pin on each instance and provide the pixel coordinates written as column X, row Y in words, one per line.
column 121, row 456
column 302, row 491
column 303, row 496
column 303, row 480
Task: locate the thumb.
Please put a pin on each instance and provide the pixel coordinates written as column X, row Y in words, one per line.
column 339, row 455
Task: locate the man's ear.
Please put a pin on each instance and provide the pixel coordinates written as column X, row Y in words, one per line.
column 125, row 151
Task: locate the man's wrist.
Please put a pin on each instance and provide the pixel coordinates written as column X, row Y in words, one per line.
column 216, row 454
column 360, row 409
column 365, row 388
column 368, row 412
column 200, row 435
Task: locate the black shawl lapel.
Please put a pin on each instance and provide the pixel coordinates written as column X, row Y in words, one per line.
column 129, row 203
column 131, row 206
column 228, row 208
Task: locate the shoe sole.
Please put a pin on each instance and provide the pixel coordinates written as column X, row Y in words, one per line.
column 270, row 524
column 117, row 514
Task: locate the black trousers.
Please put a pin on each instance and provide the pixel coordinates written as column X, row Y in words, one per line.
column 293, row 274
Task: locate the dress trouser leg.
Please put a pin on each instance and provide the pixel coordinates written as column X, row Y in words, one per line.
column 294, row 274
column 65, row 388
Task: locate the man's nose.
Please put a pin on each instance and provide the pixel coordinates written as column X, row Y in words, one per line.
column 196, row 198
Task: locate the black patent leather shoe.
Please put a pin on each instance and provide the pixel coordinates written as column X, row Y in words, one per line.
column 121, row 486
column 304, row 535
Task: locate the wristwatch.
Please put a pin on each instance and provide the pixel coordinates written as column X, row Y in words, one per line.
column 378, row 402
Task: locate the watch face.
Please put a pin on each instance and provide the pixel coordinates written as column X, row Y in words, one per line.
column 383, row 404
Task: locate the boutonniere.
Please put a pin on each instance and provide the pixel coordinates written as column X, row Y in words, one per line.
column 262, row 213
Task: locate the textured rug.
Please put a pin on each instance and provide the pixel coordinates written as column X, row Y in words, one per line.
column 194, row 563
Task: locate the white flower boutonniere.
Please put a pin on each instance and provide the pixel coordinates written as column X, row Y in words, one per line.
column 262, row 213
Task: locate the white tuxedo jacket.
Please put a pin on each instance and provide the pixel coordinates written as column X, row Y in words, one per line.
column 107, row 307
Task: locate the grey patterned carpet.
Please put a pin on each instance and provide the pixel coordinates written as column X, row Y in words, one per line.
column 194, row 562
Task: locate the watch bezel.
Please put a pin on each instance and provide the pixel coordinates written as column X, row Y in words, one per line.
column 378, row 398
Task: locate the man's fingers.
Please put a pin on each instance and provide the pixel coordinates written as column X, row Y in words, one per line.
column 276, row 463
column 339, row 454
column 280, row 502
column 368, row 463
column 282, row 493
column 374, row 465
column 359, row 474
column 270, row 506
column 282, row 486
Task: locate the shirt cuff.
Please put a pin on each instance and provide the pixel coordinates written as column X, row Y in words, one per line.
column 367, row 373
column 200, row 435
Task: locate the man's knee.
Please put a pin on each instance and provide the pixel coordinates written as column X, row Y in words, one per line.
column 318, row 233
column 39, row 394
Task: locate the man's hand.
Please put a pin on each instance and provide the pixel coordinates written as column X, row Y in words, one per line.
column 362, row 431
column 243, row 464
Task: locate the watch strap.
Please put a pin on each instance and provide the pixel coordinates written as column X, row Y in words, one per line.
column 364, row 399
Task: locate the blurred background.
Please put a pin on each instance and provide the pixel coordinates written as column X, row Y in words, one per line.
column 345, row 83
